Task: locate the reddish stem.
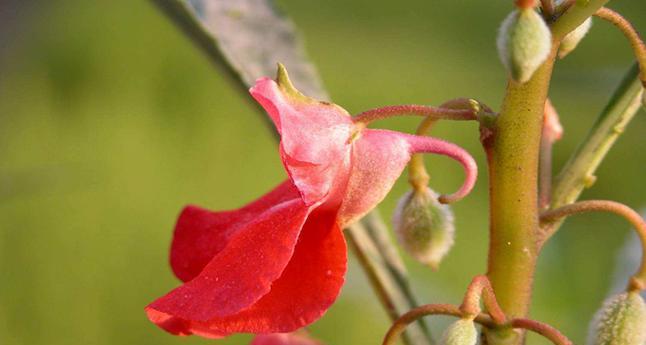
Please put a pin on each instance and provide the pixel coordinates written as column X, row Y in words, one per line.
column 432, row 145
column 413, row 315
column 638, row 280
column 481, row 287
column 543, row 329
column 371, row 115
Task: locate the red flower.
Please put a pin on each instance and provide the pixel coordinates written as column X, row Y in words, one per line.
column 278, row 263
column 284, row 339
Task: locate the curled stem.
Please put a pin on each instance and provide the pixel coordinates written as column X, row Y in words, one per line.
column 639, row 48
column 413, row 315
column 638, row 280
column 421, row 144
column 543, row 329
column 371, row 115
column 418, row 176
column 481, row 287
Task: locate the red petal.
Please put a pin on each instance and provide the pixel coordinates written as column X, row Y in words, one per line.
column 314, row 137
column 309, row 285
column 242, row 272
column 284, row 339
column 378, row 159
column 201, row 234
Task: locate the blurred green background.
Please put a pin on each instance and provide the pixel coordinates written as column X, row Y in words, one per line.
column 111, row 121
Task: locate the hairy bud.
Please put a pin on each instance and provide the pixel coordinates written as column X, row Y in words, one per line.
column 424, row 226
column 621, row 321
column 571, row 40
column 524, row 42
column 461, row 332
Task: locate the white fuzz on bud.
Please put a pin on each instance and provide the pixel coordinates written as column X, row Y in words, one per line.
column 620, row 321
column 571, row 40
column 461, row 332
column 424, row 227
column 524, row 43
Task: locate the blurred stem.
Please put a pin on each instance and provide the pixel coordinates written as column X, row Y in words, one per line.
column 579, row 171
column 545, row 174
column 369, row 237
column 638, row 280
column 386, row 272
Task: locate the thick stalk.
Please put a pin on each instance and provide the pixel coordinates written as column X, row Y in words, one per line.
column 513, row 153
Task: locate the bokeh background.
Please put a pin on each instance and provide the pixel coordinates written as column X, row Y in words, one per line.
column 111, row 121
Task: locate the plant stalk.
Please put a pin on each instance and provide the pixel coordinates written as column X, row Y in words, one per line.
column 513, row 156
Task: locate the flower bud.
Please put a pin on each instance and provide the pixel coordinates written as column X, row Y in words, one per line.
column 571, row 40
column 461, row 332
column 524, row 42
column 424, row 226
column 621, row 321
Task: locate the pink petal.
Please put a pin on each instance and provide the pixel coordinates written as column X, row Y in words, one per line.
column 308, row 286
column 314, row 137
column 284, row 339
column 378, row 159
column 243, row 271
column 201, row 234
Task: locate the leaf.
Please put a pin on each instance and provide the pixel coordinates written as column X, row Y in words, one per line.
column 247, row 38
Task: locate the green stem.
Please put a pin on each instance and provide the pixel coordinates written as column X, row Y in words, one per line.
column 579, row 171
column 513, row 157
column 574, row 16
column 513, row 153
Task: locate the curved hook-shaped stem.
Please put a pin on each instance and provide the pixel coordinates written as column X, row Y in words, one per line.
column 481, row 287
column 418, row 176
column 420, row 144
column 639, row 48
column 638, row 280
column 543, row 329
column 400, row 324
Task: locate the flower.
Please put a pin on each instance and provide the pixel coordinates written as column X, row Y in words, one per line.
column 278, row 263
column 284, row 339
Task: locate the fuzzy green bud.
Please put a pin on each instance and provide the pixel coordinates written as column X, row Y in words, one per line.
column 621, row 321
column 571, row 40
column 424, row 226
column 461, row 332
column 524, row 43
